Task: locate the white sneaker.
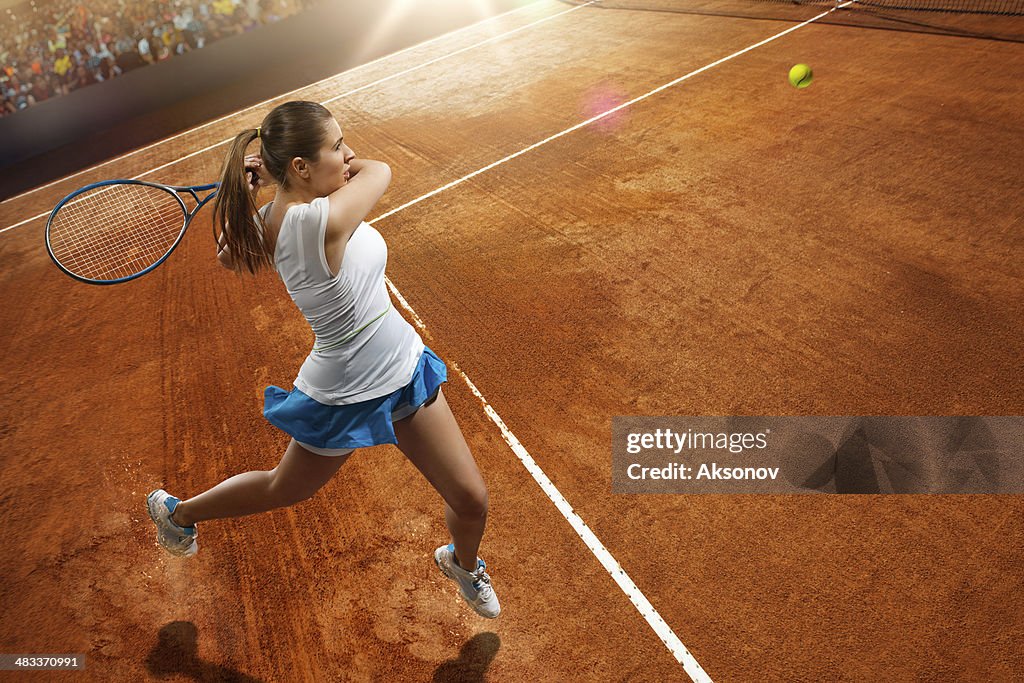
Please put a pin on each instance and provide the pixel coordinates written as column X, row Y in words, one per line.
column 475, row 586
column 176, row 540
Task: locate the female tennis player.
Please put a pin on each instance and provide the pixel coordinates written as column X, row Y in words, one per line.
column 369, row 379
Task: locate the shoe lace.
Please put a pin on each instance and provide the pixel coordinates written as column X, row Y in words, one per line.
column 481, row 580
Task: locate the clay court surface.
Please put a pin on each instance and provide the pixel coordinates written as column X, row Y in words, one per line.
column 730, row 245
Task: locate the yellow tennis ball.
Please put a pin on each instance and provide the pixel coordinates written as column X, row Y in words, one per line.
column 800, row 76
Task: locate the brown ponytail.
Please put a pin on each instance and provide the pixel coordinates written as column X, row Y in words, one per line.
column 235, row 212
column 292, row 129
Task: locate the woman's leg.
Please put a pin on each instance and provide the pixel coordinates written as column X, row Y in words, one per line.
column 296, row 478
column 433, row 442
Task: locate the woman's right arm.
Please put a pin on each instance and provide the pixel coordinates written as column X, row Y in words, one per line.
column 353, row 201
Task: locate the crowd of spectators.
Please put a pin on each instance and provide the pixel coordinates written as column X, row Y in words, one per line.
column 51, row 47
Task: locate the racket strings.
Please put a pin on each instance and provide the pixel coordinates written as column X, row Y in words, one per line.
column 115, row 231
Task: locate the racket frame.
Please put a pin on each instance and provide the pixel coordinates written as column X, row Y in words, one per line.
column 174, row 190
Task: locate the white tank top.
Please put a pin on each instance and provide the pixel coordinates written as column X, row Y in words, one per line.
column 364, row 348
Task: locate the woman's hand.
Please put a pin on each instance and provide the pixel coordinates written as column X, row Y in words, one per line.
column 256, row 173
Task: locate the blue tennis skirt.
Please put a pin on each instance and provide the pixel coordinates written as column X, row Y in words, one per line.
column 355, row 425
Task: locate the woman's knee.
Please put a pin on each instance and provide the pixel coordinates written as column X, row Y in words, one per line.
column 470, row 503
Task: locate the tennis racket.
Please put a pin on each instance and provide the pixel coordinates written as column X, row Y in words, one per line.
column 117, row 230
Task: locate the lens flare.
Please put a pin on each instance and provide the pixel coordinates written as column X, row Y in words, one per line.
column 603, row 97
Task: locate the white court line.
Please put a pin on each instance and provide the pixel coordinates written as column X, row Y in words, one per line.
column 602, row 115
column 635, row 595
column 303, row 88
column 590, row 539
column 336, row 97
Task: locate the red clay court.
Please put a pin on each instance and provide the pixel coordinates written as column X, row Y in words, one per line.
column 727, row 245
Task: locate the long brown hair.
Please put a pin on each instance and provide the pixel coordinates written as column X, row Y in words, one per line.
column 293, row 129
